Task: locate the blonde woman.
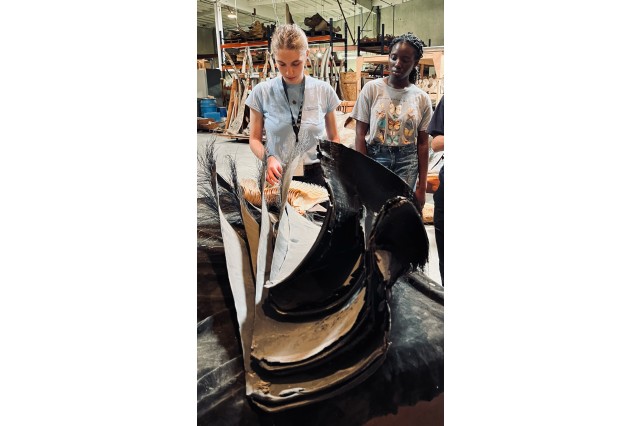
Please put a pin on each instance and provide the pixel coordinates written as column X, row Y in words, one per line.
column 295, row 110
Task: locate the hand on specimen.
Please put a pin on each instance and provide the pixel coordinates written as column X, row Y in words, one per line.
column 274, row 170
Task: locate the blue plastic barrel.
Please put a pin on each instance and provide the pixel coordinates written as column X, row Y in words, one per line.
column 215, row 116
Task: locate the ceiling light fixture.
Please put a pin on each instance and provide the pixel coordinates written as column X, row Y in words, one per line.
column 231, row 15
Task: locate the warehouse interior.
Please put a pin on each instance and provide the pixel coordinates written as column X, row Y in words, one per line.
column 349, row 45
column 101, row 177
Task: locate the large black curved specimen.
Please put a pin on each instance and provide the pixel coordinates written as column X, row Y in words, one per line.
column 313, row 307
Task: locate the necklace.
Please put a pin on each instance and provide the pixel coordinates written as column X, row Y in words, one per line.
column 294, row 101
column 295, row 124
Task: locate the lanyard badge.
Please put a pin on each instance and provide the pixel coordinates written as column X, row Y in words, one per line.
column 295, row 124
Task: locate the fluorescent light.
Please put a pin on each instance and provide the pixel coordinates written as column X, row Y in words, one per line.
column 231, row 15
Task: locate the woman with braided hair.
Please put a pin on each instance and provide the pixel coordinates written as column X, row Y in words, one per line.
column 392, row 116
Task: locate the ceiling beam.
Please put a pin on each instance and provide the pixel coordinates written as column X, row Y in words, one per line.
column 365, row 4
column 266, row 7
column 300, row 9
column 387, row 3
column 206, row 13
column 245, row 5
column 269, row 2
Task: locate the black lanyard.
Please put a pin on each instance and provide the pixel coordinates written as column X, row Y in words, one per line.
column 295, row 124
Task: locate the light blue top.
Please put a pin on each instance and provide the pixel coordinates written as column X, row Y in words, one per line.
column 268, row 98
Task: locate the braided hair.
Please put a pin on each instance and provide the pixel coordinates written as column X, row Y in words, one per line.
column 417, row 45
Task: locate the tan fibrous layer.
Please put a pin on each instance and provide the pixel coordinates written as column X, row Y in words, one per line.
column 301, row 195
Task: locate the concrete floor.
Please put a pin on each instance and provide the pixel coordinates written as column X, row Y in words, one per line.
column 246, row 166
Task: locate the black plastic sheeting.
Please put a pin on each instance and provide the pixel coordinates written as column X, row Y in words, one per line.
column 413, row 368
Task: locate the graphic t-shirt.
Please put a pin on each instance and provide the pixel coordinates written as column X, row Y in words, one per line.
column 395, row 116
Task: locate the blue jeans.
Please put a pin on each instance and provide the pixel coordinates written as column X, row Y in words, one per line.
column 401, row 160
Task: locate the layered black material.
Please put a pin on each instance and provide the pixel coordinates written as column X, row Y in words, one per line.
column 340, row 271
column 354, row 181
column 413, row 369
column 321, row 282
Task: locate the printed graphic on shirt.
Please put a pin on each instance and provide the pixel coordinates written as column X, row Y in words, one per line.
column 408, row 135
column 381, row 116
column 392, row 127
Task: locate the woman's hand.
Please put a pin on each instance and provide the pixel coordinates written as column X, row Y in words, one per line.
column 274, row 170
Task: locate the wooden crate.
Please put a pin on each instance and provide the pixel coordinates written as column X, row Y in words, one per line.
column 203, row 64
column 346, row 106
column 348, row 86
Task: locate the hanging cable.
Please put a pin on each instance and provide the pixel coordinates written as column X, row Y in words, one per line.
column 275, row 11
column 393, row 20
column 353, row 40
column 367, row 20
column 235, row 14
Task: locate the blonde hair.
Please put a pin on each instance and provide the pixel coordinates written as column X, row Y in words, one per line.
column 289, row 37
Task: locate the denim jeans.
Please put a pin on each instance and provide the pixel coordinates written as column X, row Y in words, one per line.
column 401, row 160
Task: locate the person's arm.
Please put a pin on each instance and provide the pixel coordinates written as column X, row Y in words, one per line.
column 361, row 111
column 437, row 144
column 256, row 125
column 361, row 130
column 331, row 126
column 423, row 166
column 436, row 127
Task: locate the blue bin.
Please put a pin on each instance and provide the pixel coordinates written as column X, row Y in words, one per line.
column 211, row 107
column 206, row 109
column 223, row 111
column 215, row 116
column 207, row 102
